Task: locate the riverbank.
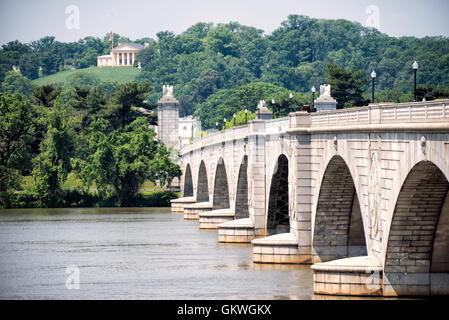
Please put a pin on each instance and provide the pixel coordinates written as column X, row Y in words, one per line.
column 80, row 199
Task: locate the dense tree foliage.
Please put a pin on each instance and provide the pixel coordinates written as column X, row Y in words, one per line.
column 346, row 86
column 206, row 59
column 16, row 83
column 124, row 159
column 52, row 165
column 102, row 136
column 16, row 134
column 225, row 102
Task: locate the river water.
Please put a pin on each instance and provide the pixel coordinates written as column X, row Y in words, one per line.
column 131, row 253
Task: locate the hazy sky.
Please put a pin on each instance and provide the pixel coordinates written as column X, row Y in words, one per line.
column 27, row 20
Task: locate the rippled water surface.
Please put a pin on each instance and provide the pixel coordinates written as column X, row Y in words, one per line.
column 132, row 253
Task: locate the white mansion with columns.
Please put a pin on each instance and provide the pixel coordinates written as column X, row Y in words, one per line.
column 122, row 55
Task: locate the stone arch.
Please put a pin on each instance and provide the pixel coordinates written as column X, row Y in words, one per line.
column 202, row 193
column 417, row 254
column 241, row 193
column 221, row 190
column 278, row 218
column 188, row 182
column 338, row 230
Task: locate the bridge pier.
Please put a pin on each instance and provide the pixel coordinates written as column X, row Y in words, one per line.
column 211, row 219
column 177, row 205
column 279, row 248
column 358, row 276
column 191, row 211
column 236, row 231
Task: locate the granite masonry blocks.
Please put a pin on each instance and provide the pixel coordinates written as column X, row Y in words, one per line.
column 177, row 205
column 236, row 235
column 191, row 211
column 288, row 254
column 177, row 208
column 347, row 283
column 211, row 219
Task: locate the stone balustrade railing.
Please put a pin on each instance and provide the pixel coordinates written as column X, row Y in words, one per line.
column 385, row 113
column 275, row 126
column 431, row 115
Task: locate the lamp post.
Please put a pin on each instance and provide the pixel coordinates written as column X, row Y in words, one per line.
column 216, row 125
column 415, row 69
column 313, row 97
column 246, row 116
column 224, row 123
column 291, row 102
column 373, row 77
column 234, row 118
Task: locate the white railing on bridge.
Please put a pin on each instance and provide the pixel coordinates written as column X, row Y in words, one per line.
column 407, row 112
column 276, row 126
column 384, row 113
column 341, row 116
column 214, row 136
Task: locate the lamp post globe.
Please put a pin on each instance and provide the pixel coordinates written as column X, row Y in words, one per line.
column 373, row 77
column 313, row 97
column 415, row 67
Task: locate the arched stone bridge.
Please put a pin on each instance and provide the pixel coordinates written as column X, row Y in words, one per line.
column 362, row 194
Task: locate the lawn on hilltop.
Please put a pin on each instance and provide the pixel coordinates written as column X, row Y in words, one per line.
column 119, row 74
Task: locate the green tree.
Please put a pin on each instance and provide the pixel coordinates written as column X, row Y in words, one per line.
column 29, row 66
column 87, row 103
column 145, row 56
column 240, row 119
column 46, row 95
column 224, row 103
column 15, row 82
column 124, row 159
column 346, row 85
column 52, row 165
column 431, row 92
column 124, row 107
column 16, row 134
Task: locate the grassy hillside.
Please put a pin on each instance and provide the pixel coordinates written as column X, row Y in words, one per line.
column 120, row 74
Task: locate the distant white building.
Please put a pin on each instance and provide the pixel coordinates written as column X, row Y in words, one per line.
column 122, row 55
column 188, row 127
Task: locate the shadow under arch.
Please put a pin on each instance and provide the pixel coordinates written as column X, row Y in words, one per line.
column 338, row 230
column 202, row 193
column 221, row 190
column 241, row 196
column 278, row 218
column 417, row 255
column 188, row 182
